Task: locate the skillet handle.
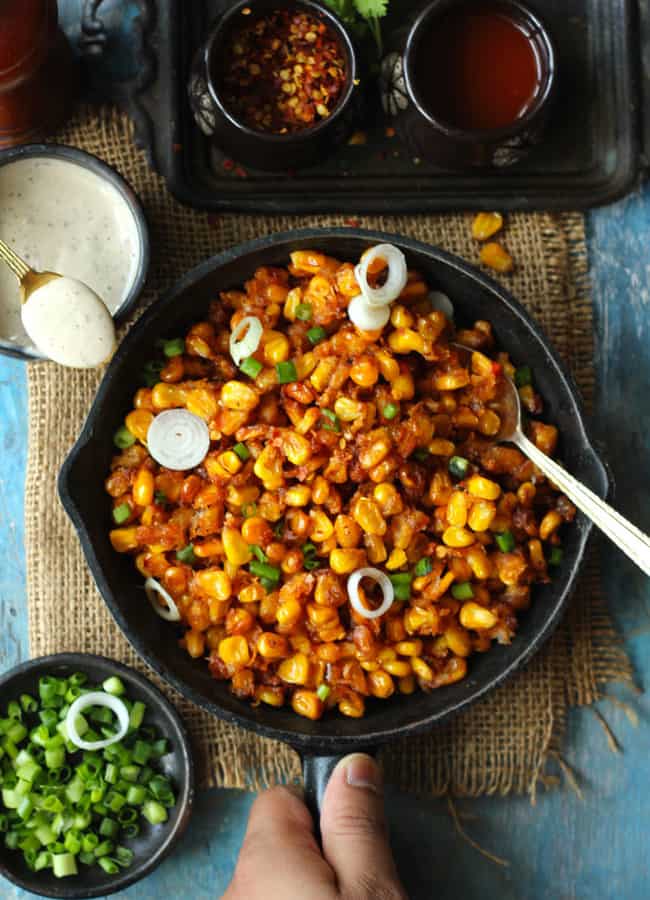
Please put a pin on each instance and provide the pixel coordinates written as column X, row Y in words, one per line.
column 317, row 771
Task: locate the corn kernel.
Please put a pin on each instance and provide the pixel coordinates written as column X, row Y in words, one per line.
column 458, row 640
column 400, row 668
column 238, row 396
column 308, row 704
column 345, row 561
column 276, row 348
column 549, row 524
column 396, row 560
column 457, row 509
column 289, row 613
column 402, row 387
column 234, row 651
column 479, row 563
column 352, row 706
column 388, row 498
column 409, row 648
column 296, row 448
column 272, row 646
column 268, row 468
column 235, row 547
column 298, row 495
column 441, row 447
column 476, row 617
column 348, row 533
column 406, row 684
column 214, row 583
column 294, row 670
column 230, row 462
column 347, row 409
column 380, row 684
column 123, row 539
column 368, row 516
column 321, row 527
column 483, row 488
column 422, row 669
column 457, row 537
column 405, row 340
column 143, row 487
column 138, row 423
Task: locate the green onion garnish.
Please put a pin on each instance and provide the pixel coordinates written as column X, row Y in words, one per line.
column 505, row 541
column 390, row 411
column 242, row 451
column 121, row 513
column 186, row 555
column 458, row 466
column 333, row 423
column 286, row 372
column 161, row 498
column 258, row 553
column 248, row 510
column 303, row 312
column 278, row 529
column 555, row 556
column 423, row 566
column 401, row 582
column 323, row 692
column 462, row 591
column 264, row 570
column 174, row 347
column 421, row 454
column 523, row 376
column 316, row 335
column 251, row 367
column 151, row 372
column 310, row 560
column 269, row 584
column 123, row 438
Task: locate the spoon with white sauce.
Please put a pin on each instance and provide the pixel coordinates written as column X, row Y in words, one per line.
column 67, row 321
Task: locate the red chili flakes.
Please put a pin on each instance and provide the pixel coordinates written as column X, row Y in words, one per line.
column 228, row 165
column 284, row 72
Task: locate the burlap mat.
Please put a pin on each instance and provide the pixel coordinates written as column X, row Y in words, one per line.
column 500, row 745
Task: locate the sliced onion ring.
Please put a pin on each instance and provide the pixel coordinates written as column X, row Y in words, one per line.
column 169, row 613
column 366, row 317
column 178, row 440
column 384, row 583
column 96, row 698
column 442, row 303
column 242, row 347
column 397, row 275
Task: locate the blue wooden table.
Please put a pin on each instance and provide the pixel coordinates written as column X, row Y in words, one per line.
column 562, row 849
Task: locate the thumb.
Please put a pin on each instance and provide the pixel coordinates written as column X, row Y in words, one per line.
column 354, row 832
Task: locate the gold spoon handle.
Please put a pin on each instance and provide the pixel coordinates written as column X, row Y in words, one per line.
column 17, row 265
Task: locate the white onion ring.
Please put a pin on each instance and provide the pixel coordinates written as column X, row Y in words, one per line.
column 384, row 583
column 96, row 698
column 242, row 349
column 366, row 317
column 169, row 614
column 397, row 275
column 442, row 303
column 178, row 440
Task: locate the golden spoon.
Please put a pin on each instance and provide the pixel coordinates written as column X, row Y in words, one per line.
column 65, row 318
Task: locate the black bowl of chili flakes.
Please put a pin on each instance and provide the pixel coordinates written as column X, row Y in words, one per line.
column 275, row 85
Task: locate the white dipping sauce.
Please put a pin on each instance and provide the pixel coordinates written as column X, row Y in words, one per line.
column 69, row 323
column 61, row 217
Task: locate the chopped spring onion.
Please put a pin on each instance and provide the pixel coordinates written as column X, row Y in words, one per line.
column 169, row 611
column 160, row 498
column 151, row 372
column 401, row 582
column 264, row 570
column 310, row 560
column 242, row 451
column 186, row 555
column 390, row 411
column 333, row 423
column 384, row 583
column 458, row 466
column 121, row 513
column 555, row 556
column 462, row 591
column 286, row 372
column 114, row 685
column 421, row 454
column 304, row 312
column 85, row 701
column 248, row 510
column 123, row 438
column 523, row 376
column 178, row 440
column 505, row 541
column 423, row 567
column 258, row 553
column 174, row 347
column 316, row 335
column 366, row 317
column 441, row 303
column 245, row 338
column 395, row 280
column 251, row 367
column 323, row 692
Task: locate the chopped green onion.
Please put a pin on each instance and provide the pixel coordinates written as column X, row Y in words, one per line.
column 401, row 582
column 123, row 438
column 110, row 866
column 390, row 411
column 458, row 466
column 248, row 510
column 323, row 692
column 174, row 347
column 258, row 553
column 286, row 372
column 555, row 556
column 264, row 570
column 303, row 312
column 113, row 685
column 137, row 714
column 523, row 376
column 151, row 371
column 462, row 591
column 423, row 566
column 333, row 424
column 160, row 497
column 64, row 864
column 154, row 812
column 186, row 555
column 505, row 541
column 28, row 703
column 421, row 454
column 251, row 367
column 242, row 451
column 316, row 335
column 121, row 513
column 310, row 560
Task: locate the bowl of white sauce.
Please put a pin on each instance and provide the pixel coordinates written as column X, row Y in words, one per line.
column 63, row 210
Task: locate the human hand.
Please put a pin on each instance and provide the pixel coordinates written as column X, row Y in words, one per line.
column 280, row 858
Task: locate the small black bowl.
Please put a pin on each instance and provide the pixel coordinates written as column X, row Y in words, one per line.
column 111, row 176
column 258, row 149
column 153, row 843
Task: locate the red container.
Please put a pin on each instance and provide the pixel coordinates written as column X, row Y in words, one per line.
column 36, row 70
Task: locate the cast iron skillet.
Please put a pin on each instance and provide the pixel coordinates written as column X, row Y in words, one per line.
column 81, row 488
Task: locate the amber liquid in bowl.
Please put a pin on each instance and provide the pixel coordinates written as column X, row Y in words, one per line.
column 478, row 69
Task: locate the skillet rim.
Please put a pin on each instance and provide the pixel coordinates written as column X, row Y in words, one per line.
column 314, row 743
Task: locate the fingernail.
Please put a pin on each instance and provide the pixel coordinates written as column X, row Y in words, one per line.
column 362, row 771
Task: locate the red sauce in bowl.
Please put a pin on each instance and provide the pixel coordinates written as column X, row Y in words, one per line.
column 478, row 68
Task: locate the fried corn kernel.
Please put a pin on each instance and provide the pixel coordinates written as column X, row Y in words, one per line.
column 476, row 618
column 486, row 225
column 496, row 257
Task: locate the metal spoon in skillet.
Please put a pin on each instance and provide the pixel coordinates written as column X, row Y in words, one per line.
column 627, row 537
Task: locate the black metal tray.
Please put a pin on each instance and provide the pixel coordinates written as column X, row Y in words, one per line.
column 591, row 154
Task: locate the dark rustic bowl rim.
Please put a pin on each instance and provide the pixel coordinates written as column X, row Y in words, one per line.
column 542, row 100
column 72, row 889
column 109, row 174
column 299, row 136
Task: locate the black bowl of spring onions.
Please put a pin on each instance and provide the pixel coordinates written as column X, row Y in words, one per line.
column 96, row 777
